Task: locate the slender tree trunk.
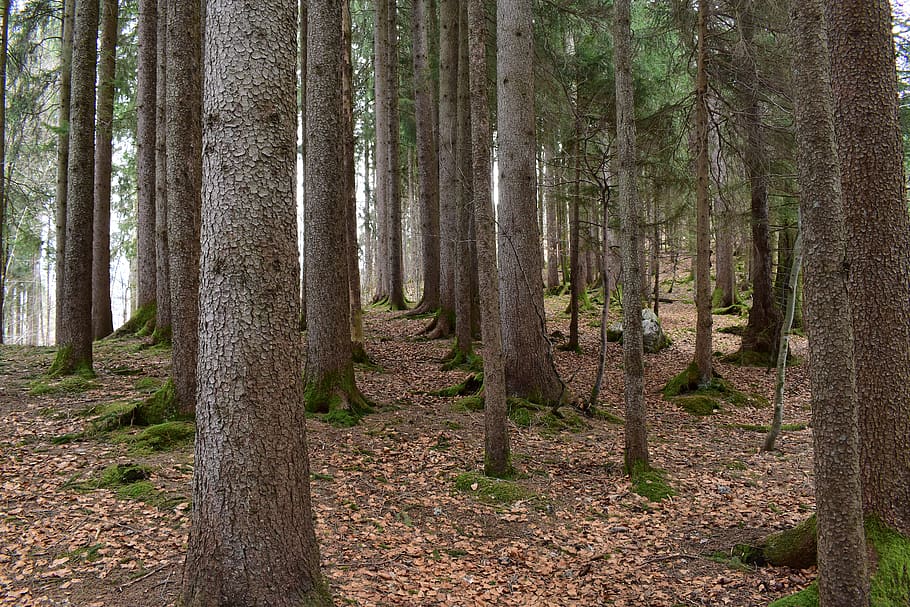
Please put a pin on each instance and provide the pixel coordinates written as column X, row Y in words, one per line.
column 878, row 247
column 381, row 117
column 396, row 259
column 63, row 150
column 145, row 156
column 184, row 185
column 552, row 219
column 636, row 443
column 162, row 255
column 842, row 567
column 102, row 316
column 4, row 51
column 724, row 225
column 578, row 280
column 427, row 159
column 496, row 432
column 75, row 342
column 464, row 265
column 329, row 371
column 350, row 193
column 703, row 335
column 252, row 539
column 764, row 317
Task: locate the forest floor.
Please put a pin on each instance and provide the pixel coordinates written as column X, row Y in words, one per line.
column 394, row 526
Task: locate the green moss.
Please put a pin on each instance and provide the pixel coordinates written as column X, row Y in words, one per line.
column 142, row 322
column 459, row 359
column 554, row 421
column 733, row 330
column 808, row 597
column 697, row 404
column 147, row 385
column 471, row 385
column 65, row 439
column 121, row 474
column 650, row 483
column 521, row 417
column 794, row 548
column 160, row 407
column 110, row 416
column 164, row 437
column 685, row 382
column 65, row 365
column 336, row 391
column 69, row 384
column 340, row 418
column 766, row 428
column 163, row 336
column 608, row 417
column 470, row 403
column 492, row 490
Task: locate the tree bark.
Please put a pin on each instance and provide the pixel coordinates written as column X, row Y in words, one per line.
column 4, row 52
column 145, row 155
column 528, row 355
column 552, row 219
column 427, row 159
column 75, row 342
column 395, row 246
column 302, row 48
column 723, row 210
column 329, row 371
column 184, row 185
column 102, row 316
column 703, row 336
column 842, row 565
column 464, row 265
column 252, row 539
column 63, row 150
column 878, row 247
column 636, row 436
column 162, row 256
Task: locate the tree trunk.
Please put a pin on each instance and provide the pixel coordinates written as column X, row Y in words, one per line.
column 841, row 546
column 575, row 268
column 329, row 370
column 63, row 150
column 764, row 317
column 352, row 251
column 184, row 183
column 395, row 251
column 145, row 155
column 4, row 52
column 302, row 46
column 464, row 265
column 448, row 183
column 162, row 257
column 636, row 436
column 427, row 159
column 552, row 219
column 102, row 319
column 703, row 336
column 723, row 209
column 878, row 247
column 252, row 539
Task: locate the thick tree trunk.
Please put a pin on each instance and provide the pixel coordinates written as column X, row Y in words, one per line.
column 102, row 318
column 162, row 256
column 448, row 180
column 528, row 355
column 636, row 436
column 301, row 49
column 145, row 155
column 703, row 336
column 75, row 341
column 841, row 546
column 878, row 247
column 764, row 316
column 464, row 265
column 252, row 539
column 63, row 150
column 184, row 185
column 329, row 368
column 427, row 159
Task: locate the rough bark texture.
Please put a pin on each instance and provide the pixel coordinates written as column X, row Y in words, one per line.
column 878, row 246
column 252, row 540
column 841, row 546
column 552, row 218
column 301, row 50
column 528, row 356
column 703, row 340
column 464, row 265
column 184, row 183
column 63, row 150
column 145, row 154
column 764, row 316
column 725, row 270
column 636, row 434
column 427, row 159
column 162, row 279
column 76, row 327
column 102, row 318
column 329, row 371
column 4, row 52
column 395, row 247
column 380, row 119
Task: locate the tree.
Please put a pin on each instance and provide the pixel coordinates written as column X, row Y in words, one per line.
column 427, row 161
column 63, row 151
column 636, row 444
column 878, row 247
column 75, row 340
column 464, row 217
column 184, row 182
column 162, row 256
column 329, row 367
column 102, row 319
column 703, row 340
column 528, row 356
column 841, row 545
column 145, row 156
column 252, row 540
column 4, row 53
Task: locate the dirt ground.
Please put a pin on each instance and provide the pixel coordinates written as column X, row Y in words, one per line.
column 392, row 526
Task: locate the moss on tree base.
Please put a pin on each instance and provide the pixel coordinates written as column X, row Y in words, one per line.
column 66, row 364
column 650, row 483
column 142, row 322
column 685, row 391
column 337, row 399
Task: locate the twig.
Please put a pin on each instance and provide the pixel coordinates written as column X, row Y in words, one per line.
column 139, row 579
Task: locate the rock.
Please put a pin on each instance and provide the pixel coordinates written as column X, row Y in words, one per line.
column 654, row 338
